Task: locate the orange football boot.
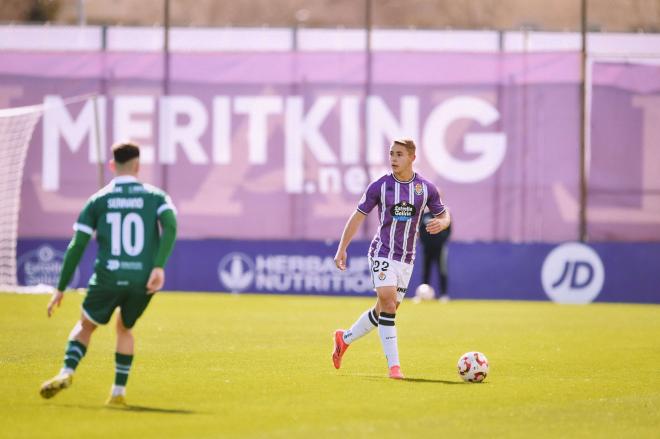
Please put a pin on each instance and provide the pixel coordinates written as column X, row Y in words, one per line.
column 395, row 373
column 340, row 348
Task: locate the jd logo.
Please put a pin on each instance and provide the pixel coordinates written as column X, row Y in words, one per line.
column 571, row 269
column 572, row 273
column 236, row 271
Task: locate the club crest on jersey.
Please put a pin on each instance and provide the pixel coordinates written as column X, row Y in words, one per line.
column 381, row 275
column 403, row 211
column 419, row 189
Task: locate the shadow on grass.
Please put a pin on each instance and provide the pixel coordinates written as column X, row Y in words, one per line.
column 410, row 380
column 429, row 381
column 141, row 408
column 132, row 408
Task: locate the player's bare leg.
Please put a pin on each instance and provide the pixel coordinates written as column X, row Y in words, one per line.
column 79, row 339
column 83, row 330
column 387, row 306
column 123, row 360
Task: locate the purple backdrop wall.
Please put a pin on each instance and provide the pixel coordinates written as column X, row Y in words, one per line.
column 281, row 146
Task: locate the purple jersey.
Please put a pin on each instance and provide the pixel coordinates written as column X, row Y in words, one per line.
column 400, row 207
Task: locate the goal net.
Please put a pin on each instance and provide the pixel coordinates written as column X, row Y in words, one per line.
column 16, row 128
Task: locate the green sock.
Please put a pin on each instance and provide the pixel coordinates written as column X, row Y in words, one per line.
column 122, row 368
column 75, row 351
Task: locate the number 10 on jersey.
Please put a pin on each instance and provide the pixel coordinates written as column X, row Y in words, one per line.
column 127, row 233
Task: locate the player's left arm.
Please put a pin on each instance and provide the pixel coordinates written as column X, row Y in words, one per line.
column 441, row 217
column 439, row 223
column 168, row 225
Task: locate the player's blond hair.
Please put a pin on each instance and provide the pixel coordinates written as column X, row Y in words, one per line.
column 409, row 144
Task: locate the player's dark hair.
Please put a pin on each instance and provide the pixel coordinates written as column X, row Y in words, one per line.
column 125, row 151
column 409, row 144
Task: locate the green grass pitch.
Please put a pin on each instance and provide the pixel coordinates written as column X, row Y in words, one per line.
column 252, row 366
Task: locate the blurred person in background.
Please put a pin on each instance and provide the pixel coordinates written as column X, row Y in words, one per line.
column 435, row 255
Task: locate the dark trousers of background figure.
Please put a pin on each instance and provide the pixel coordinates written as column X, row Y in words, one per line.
column 436, row 255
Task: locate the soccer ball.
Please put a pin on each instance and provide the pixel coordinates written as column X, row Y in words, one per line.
column 424, row 292
column 473, row 367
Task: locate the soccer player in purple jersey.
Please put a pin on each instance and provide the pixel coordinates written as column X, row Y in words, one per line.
column 401, row 198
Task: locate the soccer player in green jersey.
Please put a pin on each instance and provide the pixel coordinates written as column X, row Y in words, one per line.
column 128, row 270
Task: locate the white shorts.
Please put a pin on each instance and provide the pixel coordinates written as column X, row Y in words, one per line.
column 389, row 273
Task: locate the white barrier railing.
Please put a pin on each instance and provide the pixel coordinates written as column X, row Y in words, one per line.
column 150, row 39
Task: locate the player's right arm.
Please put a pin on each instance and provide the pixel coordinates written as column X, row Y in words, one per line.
column 84, row 227
column 351, row 228
column 72, row 257
column 369, row 200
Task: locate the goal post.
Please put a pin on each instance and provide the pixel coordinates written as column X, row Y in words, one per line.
column 17, row 127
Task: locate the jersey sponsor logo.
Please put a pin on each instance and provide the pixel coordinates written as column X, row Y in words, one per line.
column 572, row 273
column 43, row 266
column 125, row 203
column 403, row 211
column 419, row 189
column 131, row 265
